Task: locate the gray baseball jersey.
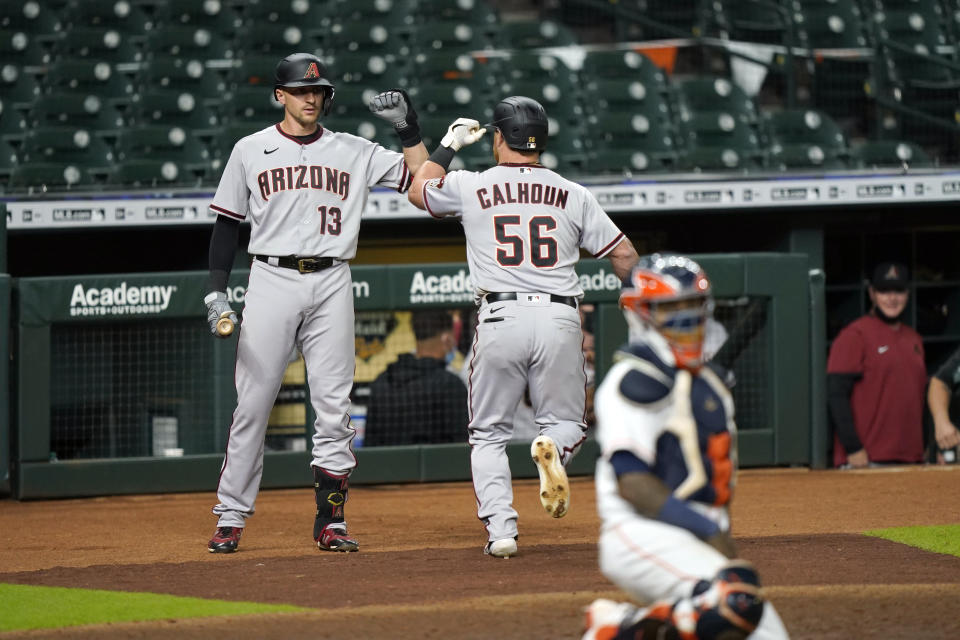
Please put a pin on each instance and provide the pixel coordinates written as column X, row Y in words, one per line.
column 524, row 226
column 302, row 198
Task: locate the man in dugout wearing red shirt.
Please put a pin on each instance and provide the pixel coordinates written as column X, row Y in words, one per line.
column 876, row 378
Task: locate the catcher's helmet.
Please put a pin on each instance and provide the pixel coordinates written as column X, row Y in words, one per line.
column 668, row 295
column 304, row 70
column 522, row 122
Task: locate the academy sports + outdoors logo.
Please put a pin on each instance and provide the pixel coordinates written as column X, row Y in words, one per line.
column 121, row 300
column 441, row 288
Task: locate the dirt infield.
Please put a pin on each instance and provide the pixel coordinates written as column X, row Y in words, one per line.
column 421, row 573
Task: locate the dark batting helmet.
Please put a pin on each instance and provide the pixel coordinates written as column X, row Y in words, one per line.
column 304, row 70
column 522, row 122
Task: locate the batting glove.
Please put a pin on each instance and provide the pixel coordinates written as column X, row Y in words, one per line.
column 462, row 132
column 395, row 107
column 217, row 308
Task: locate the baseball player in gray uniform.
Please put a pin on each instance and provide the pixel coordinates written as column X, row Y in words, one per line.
column 302, row 188
column 667, row 471
column 524, row 227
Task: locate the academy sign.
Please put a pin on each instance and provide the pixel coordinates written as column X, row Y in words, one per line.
column 428, row 289
column 120, row 300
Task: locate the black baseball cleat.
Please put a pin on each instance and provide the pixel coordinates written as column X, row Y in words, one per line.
column 225, row 540
column 336, row 540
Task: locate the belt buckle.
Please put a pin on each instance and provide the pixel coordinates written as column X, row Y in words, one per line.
column 306, row 265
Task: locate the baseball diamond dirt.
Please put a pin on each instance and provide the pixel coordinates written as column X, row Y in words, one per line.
column 421, row 573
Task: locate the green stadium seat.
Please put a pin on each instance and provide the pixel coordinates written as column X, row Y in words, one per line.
column 253, row 70
column 567, row 150
column 184, row 74
column 434, row 97
column 19, row 89
column 527, row 65
column 450, row 37
column 627, row 162
column 33, row 17
column 715, row 140
column 476, row 157
column 44, row 176
column 22, row 48
column 67, row 145
column 809, row 126
column 878, row 154
column 162, row 142
column 634, row 132
column 476, row 12
column 349, row 99
column 8, row 160
column 98, row 44
column 718, row 160
column 126, row 17
column 275, row 38
column 396, row 13
column 623, row 64
column 218, row 17
column 365, row 126
column 789, row 157
column 463, row 67
column 76, row 109
column 678, row 18
column 13, row 124
column 831, row 25
column 710, row 94
column 251, row 102
column 189, row 41
column 223, row 139
column 767, row 23
column 362, row 68
column 152, row 173
column 621, row 94
column 533, row 34
column 175, row 108
column 370, row 37
column 287, row 12
column 96, row 77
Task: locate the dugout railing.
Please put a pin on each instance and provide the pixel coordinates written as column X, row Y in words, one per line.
column 129, row 357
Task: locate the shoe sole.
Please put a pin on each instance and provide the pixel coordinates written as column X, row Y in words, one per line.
column 509, row 554
column 220, row 550
column 344, row 546
column 554, row 487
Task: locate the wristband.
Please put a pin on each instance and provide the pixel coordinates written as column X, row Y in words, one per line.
column 443, row 156
column 409, row 135
column 679, row 514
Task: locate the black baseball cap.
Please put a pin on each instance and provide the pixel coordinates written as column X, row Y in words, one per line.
column 890, row 276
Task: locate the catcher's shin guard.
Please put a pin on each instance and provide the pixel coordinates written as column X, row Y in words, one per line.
column 329, row 527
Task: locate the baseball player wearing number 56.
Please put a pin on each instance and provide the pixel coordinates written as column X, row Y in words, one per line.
column 303, row 189
column 665, row 476
column 524, row 227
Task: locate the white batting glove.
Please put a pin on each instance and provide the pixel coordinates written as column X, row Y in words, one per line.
column 218, row 307
column 462, row 132
column 393, row 106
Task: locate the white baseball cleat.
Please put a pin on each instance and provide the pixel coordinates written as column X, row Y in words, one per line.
column 554, row 488
column 604, row 618
column 504, row 548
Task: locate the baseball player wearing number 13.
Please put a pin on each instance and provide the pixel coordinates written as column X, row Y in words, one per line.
column 524, row 227
column 303, row 189
column 666, row 472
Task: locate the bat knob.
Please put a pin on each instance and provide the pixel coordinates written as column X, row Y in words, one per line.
column 225, row 325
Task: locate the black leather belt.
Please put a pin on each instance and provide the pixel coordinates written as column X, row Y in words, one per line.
column 497, row 297
column 303, row 265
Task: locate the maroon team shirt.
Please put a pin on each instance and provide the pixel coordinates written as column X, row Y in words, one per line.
column 887, row 402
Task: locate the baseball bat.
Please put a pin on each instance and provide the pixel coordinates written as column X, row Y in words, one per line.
column 225, row 324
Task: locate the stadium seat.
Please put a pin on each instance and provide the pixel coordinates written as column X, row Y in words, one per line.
column 434, row 97
column 627, row 130
column 251, row 103
column 98, row 44
column 476, row 12
column 790, row 157
column 22, row 48
column 679, row 18
column 126, row 17
column 718, row 160
column 449, row 36
column 369, row 127
column 189, row 41
column 476, row 157
column 13, row 124
column 81, row 110
column 544, row 66
column 184, row 74
column 362, row 68
column 348, row 99
column 764, row 22
column 253, row 69
column 8, row 160
column 463, row 68
column 225, row 137
column 623, row 64
column 90, row 76
column 152, row 173
column 174, row 108
column 533, row 34
column 396, row 13
column 626, row 162
column 218, row 17
column 371, row 37
column 19, row 89
column 67, row 145
column 877, row 154
column 708, row 94
column 810, row 126
column 303, row 13
column 33, row 17
column 831, row 25
column 162, row 142
column 567, row 150
column 275, row 38
column 718, row 140
column 44, row 176
column 620, row 94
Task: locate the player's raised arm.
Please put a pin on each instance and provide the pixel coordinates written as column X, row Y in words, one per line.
column 395, row 106
column 460, row 133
